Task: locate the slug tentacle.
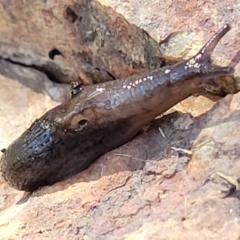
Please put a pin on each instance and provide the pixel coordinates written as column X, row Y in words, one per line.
column 201, row 62
column 208, row 48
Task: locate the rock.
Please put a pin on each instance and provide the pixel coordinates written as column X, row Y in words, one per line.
column 75, row 41
column 172, row 181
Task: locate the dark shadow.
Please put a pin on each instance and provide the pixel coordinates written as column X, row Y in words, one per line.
column 234, row 194
column 54, row 52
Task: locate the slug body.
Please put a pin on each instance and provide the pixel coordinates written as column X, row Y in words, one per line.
column 99, row 118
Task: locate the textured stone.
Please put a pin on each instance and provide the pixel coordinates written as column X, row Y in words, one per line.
column 150, row 188
column 93, row 40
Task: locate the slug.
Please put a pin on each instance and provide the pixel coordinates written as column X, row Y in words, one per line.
column 99, row 118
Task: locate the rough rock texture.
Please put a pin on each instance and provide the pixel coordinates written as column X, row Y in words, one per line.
column 35, row 80
column 192, row 23
column 168, row 183
column 74, row 40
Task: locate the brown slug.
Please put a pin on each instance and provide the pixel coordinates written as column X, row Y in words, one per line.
column 99, row 118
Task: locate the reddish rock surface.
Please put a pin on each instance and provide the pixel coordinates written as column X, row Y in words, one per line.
column 151, row 187
column 92, row 40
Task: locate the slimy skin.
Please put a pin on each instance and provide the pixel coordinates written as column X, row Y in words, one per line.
column 99, row 118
